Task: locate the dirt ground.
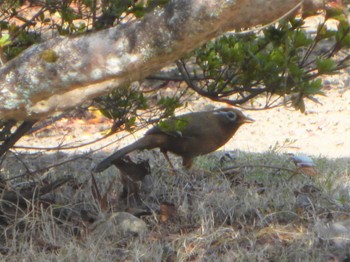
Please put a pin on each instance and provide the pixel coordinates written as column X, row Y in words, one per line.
column 324, row 130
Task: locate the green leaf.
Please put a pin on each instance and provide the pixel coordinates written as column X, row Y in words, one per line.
column 334, row 13
column 300, row 39
column 5, row 40
column 130, row 124
column 174, row 125
column 296, row 22
column 169, row 104
column 277, row 56
column 345, row 42
column 313, row 88
column 139, row 10
column 323, row 32
column 325, row 66
column 343, row 28
column 295, row 70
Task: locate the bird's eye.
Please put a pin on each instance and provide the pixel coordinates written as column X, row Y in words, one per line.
column 232, row 116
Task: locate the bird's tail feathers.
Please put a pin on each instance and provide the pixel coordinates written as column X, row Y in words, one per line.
column 143, row 143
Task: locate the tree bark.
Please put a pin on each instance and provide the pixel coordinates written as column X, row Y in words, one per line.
column 64, row 72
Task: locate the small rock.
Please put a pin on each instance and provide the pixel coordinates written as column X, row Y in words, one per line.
column 120, row 223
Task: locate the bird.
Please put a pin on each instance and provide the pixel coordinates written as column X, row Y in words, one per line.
column 136, row 171
column 131, row 174
column 188, row 135
column 304, row 163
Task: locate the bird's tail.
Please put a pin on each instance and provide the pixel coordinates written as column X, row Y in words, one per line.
column 147, row 142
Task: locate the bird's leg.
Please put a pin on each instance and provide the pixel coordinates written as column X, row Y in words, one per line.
column 170, row 163
column 187, row 162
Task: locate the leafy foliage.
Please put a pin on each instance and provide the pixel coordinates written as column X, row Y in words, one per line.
column 174, row 126
column 283, row 62
column 169, row 104
column 121, row 105
column 65, row 17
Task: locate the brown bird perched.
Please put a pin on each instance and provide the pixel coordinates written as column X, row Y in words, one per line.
column 188, row 135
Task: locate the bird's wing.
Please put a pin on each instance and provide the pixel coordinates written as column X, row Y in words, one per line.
column 182, row 126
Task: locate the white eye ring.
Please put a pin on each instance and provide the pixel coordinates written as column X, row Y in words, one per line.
column 232, row 116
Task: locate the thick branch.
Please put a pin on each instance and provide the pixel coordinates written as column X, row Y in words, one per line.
column 64, row 72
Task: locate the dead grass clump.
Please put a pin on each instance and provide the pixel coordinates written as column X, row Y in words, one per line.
column 259, row 211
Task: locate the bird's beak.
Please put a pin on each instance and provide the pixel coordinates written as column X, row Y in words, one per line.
column 248, row 120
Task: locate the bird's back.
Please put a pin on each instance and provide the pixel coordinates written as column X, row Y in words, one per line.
column 193, row 134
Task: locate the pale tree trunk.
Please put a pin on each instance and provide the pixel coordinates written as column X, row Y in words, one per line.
column 64, row 72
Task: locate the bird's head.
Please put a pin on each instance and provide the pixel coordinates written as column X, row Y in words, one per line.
column 233, row 116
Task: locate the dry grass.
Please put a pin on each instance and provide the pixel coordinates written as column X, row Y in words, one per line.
column 256, row 214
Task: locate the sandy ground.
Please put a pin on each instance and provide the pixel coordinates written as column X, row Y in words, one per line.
column 324, row 130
